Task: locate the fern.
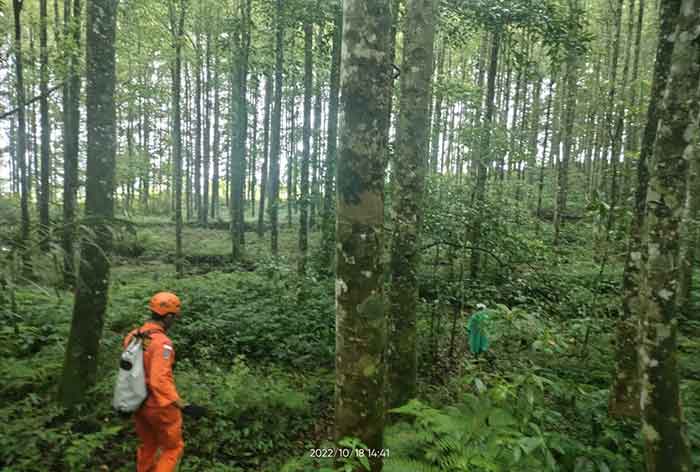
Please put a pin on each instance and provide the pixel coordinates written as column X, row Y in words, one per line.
column 408, row 465
column 480, row 434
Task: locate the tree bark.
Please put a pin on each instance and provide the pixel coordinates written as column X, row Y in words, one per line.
column 360, row 315
column 409, row 179
column 437, row 111
column 266, row 153
column 315, row 200
column 274, row 177
column 206, row 149
column 624, row 396
column 177, row 26
column 21, row 149
column 484, row 153
column 563, row 168
column 328, row 229
column 71, row 134
column 45, row 128
column 197, row 72
column 306, row 139
column 239, row 120
column 217, row 136
column 619, row 125
column 663, row 426
column 80, row 365
column 253, row 164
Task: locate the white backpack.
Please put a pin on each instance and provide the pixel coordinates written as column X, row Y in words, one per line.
column 130, row 390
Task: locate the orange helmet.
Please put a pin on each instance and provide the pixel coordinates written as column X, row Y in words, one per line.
column 164, row 303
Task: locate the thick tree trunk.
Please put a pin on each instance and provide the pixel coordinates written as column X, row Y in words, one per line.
column 328, row 236
column 306, row 138
column 80, row 366
column 624, row 397
column 409, row 175
column 360, row 315
column 273, row 205
column 663, row 425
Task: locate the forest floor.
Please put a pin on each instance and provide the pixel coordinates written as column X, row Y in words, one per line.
column 256, row 346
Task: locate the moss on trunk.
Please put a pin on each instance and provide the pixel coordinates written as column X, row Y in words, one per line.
column 360, row 315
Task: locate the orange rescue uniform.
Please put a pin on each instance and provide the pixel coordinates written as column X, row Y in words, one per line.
column 159, row 420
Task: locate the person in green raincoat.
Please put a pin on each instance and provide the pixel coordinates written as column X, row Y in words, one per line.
column 476, row 330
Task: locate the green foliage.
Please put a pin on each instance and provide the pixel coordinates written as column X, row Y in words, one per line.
column 507, row 426
column 494, row 432
column 252, row 414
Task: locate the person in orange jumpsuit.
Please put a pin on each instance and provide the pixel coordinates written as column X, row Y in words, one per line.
column 159, row 419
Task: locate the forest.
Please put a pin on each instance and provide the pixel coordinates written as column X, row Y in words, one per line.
column 406, row 235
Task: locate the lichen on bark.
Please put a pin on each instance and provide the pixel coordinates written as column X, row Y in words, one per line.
column 409, row 167
column 666, row 441
column 360, row 314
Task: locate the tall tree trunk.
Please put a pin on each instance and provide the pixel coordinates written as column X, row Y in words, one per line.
column 206, row 154
column 663, row 425
column 534, row 134
column 239, row 122
column 619, row 125
column 563, row 168
column 177, row 29
column 197, row 72
column 253, row 158
column 547, row 127
column 316, row 163
column 273, row 205
column 328, row 229
column 80, row 365
column 409, row 176
column 266, row 152
column 484, row 153
column 624, row 394
column 617, row 6
column 306, row 138
column 21, row 140
column 188, row 146
column 291, row 156
column 216, row 147
column 360, row 313
column 45, row 128
column 437, row 110
column 559, row 94
column 632, row 135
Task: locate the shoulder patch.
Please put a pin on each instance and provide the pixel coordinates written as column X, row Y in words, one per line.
column 166, row 351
